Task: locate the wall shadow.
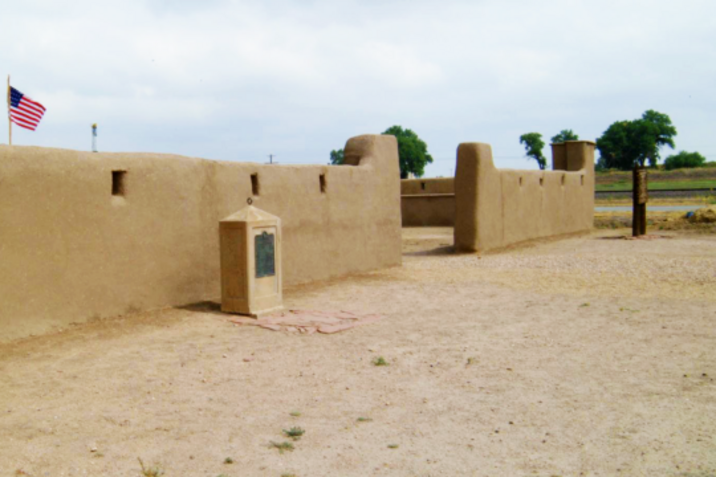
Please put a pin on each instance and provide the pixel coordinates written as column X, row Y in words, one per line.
column 445, row 250
column 203, row 307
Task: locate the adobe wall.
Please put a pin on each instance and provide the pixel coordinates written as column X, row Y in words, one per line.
column 70, row 250
column 428, row 202
column 438, row 185
column 498, row 208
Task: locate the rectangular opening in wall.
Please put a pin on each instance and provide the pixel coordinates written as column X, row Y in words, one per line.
column 118, row 182
column 322, row 179
column 541, row 181
column 255, row 184
column 422, row 185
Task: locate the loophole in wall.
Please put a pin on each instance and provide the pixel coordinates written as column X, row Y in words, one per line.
column 119, row 183
column 255, row 184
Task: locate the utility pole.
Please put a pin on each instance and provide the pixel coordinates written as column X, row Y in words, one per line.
column 640, row 194
column 271, row 156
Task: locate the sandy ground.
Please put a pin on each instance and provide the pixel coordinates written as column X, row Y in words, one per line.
column 588, row 356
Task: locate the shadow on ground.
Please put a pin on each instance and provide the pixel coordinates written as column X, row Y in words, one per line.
column 203, row 307
column 445, row 250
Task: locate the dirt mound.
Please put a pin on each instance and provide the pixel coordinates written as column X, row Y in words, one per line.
column 707, row 215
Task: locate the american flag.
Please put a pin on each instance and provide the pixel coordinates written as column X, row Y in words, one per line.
column 24, row 111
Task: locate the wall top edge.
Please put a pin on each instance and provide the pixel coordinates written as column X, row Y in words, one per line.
column 425, row 179
column 99, row 156
column 540, row 172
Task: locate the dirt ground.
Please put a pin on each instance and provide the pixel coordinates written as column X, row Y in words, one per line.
column 581, row 357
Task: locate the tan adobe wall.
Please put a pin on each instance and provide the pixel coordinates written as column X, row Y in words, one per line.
column 438, row 185
column 428, row 202
column 429, row 210
column 497, row 208
column 70, row 250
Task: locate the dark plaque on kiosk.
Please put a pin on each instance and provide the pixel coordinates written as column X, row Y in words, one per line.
column 265, row 262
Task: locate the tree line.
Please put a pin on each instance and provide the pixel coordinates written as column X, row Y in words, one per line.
column 625, row 144
column 622, row 146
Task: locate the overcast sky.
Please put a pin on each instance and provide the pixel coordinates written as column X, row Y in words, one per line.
column 238, row 80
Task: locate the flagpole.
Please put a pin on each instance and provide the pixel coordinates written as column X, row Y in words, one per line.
column 9, row 122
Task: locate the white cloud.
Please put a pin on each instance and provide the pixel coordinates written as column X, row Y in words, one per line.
column 240, row 79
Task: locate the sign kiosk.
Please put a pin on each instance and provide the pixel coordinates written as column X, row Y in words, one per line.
column 250, row 243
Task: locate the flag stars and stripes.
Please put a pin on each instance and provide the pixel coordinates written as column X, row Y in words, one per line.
column 24, row 111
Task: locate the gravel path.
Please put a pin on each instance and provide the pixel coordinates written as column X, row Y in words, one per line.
column 582, row 357
column 609, row 264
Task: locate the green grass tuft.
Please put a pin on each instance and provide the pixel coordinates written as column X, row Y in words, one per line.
column 283, row 446
column 294, row 433
column 155, row 471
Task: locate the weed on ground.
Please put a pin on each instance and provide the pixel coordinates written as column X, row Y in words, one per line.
column 282, row 446
column 294, row 433
column 155, row 471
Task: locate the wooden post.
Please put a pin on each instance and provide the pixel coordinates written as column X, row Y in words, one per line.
column 641, row 195
column 9, row 122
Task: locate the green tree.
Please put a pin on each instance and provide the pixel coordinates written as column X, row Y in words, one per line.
column 684, row 160
column 533, row 148
column 601, row 165
column 337, row 157
column 412, row 151
column 616, row 147
column 657, row 131
column 564, row 135
column 626, row 143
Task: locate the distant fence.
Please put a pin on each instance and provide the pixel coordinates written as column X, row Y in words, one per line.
column 660, row 192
